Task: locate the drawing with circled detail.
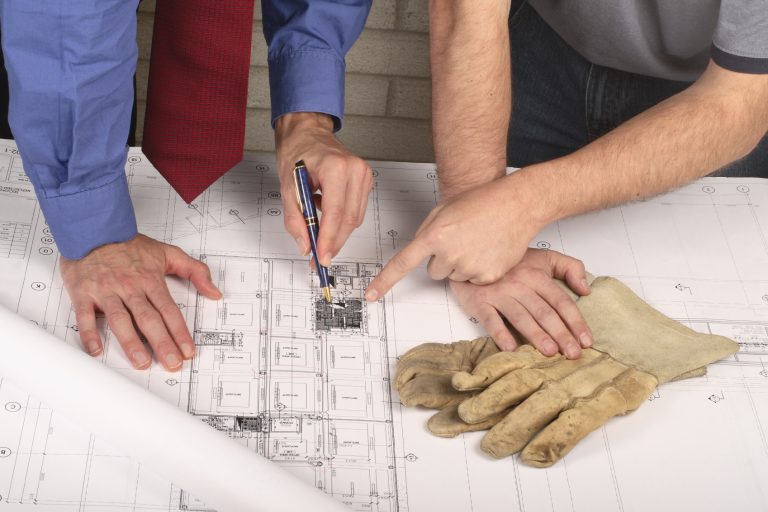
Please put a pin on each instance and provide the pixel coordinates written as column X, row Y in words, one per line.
column 307, row 384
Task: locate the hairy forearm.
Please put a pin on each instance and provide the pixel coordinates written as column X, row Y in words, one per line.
column 471, row 91
column 679, row 140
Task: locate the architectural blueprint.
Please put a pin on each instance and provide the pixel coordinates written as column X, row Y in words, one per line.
column 306, row 384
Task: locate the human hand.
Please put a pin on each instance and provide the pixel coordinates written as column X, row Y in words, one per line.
column 536, row 307
column 344, row 180
column 127, row 282
column 476, row 236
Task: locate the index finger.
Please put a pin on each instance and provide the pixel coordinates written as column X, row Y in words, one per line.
column 407, row 259
column 293, row 218
column 334, row 189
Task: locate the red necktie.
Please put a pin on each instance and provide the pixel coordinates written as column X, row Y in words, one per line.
column 198, row 86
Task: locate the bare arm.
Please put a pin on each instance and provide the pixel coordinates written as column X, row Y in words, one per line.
column 716, row 121
column 471, row 91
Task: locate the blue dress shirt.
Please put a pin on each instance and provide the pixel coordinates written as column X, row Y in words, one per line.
column 70, row 69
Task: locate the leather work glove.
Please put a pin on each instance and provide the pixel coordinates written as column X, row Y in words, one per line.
column 424, row 373
column 543, row 406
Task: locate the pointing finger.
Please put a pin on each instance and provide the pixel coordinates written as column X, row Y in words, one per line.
column 398, row 267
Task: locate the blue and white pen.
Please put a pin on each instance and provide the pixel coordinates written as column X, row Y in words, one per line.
column 307, row 207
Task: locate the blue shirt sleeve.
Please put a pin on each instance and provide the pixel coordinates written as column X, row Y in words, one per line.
column 308, row 41
column 70, row 70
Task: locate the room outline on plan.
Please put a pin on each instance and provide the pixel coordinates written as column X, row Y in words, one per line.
column 308, row 384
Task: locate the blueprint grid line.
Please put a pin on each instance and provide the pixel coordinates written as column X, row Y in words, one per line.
column 310, row 387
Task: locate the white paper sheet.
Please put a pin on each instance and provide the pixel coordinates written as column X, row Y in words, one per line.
column 309, row 388
column 145, row 427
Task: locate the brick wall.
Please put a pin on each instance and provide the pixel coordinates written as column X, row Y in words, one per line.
column 387, row 83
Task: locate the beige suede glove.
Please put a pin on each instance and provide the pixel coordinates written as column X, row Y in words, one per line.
column 545, row 405
column 423, row 375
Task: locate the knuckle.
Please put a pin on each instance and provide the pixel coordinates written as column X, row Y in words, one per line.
column 127, row 286
column 146, row 315
column 543, row 312
column 333, row 211
column 168, row 309
column 118, row 316
column 83, row 310
column 564, row 304
column 352, row 219
column 398, row 263
column 333, row 163
column 111, row 303
column 515, row 316
column 434, row 235
column 484, row 278
column 134, row 300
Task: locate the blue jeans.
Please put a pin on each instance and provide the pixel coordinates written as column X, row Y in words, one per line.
column 563, row 102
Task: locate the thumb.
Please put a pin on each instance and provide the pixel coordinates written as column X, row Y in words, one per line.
column 181, row 264
column 571, row 271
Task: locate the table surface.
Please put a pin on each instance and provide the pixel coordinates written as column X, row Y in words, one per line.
column 308, row 386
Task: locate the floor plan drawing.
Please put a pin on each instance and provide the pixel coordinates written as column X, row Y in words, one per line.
column 303, row 382
column 307, row 384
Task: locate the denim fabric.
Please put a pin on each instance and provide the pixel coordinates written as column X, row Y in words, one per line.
column 563, row 102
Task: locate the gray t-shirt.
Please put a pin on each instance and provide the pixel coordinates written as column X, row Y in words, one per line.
column 671, row 39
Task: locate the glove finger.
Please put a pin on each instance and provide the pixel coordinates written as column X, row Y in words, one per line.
column 412, row 369
column 441, row 358
column 431, row 391
column 447, row 423
column 514, row 387
column 512, row 433
column 629, row 391
column 492, row 368
column 538, row 410
column 427, row 351
column 510, row 390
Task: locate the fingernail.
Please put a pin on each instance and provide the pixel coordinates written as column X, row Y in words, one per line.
column 549, row 348
column 94, row 348
column 140, row 358
column 572, row 351
column 172, row 361
column 585, row 283
column 371, row 295
column 327, row 260
column 586, row 340
column 188, row 351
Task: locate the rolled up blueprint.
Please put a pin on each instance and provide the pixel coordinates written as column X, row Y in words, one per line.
column 222, row 473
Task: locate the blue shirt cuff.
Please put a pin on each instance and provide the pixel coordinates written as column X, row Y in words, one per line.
column 307, row 81
column 91, row 218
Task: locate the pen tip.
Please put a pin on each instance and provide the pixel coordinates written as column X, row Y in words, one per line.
column 327, row 294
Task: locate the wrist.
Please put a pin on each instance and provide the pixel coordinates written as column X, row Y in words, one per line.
column 294, row 131
column 297, row 122
column 529, row 193
column 453, row 185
